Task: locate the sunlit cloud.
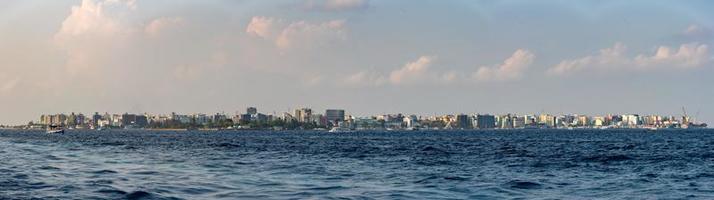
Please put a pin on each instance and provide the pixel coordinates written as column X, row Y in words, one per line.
column 512, row 68
column 413, row 72
column 299, row 33
column 614, row 58
column 155, row 27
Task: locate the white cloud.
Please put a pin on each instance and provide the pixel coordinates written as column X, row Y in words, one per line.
column 412, row 72
column 92, row 25
column 697, row 30
column 155, row 27
column 310, row 34
column 96, row 32
column 511, row 69
column 420, row 71
column 261, row 26
column 93, row 18
column 614, row 58
column 336, row 5
column 688, row 55
column 300, row 33
column 365, row 78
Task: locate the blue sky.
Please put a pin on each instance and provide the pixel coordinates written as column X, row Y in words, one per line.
column 367, row 56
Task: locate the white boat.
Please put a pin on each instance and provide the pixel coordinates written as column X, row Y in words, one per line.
column 339, row 130
column 54, row 129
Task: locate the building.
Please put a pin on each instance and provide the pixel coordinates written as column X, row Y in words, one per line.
column 485, row 121
column 252, row 110
column 95, row 119
column 303, row 115
column 56, row 119
column 519, row 121
column 245, row 118
column 366, row 124
column 463, row 122
column 505, row 121
column 583, row 121
column 132, row 120
column 630, row 120
column 200, row 118
column 411, row 121
column 335, row 115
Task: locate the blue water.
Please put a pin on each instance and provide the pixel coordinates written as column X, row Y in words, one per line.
column 531, row 164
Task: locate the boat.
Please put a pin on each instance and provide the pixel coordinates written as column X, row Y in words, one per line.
column 55, row 129
column 339, row 130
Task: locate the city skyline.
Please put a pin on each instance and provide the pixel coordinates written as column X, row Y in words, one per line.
column 692, row 117
column 367, row 57
column 308, row 119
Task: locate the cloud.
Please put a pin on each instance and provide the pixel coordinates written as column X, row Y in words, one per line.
column 688, row 55
column 336, row 5
column 695, row 30
column 511, row 69
column 155, row 27
column 308, row 33
column 299, row 33
column 261, row 27
column 614, row 58
column 412, row 72
column 365, row 78
column 93, row 24
column 96, row 33
column 93, row 18
column 420, row 71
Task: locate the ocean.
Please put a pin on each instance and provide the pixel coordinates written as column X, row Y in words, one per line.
column 495, row 164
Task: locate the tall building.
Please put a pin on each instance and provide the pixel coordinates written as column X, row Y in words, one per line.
column 630, row 120
column 505, row 121
column 335, row 115
column 95, row 119
column 411, row 121
column 485, row 121
column 463, row 121
column 519, row 121
column 252, row 110
column 303, row 114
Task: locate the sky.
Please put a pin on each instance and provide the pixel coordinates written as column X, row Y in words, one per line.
column 426, row 57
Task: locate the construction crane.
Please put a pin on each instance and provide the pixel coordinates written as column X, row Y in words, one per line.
column 685, row 118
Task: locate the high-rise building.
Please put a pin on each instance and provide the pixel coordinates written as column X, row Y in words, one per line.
column 519, row 121
column 411, row 121
column 335, row 115
column 485, row 121
column 252, row 110
column 463, row 121
column 95, row 119
column 505, row 121
column 303, row 114
column 630, row 120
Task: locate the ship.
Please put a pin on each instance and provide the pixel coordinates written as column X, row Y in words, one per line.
column 55, row 129
column 689, row 123
column 338, row 129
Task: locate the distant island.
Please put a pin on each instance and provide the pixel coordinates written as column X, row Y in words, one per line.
column 332, row 119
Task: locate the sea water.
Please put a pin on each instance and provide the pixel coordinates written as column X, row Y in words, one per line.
column 497, row 164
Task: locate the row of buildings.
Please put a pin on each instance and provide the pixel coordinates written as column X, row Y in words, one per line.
column 305, row 118
column 513, row 121
column 301, row 117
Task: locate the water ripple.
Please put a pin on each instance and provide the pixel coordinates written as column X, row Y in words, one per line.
column 517, row 164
